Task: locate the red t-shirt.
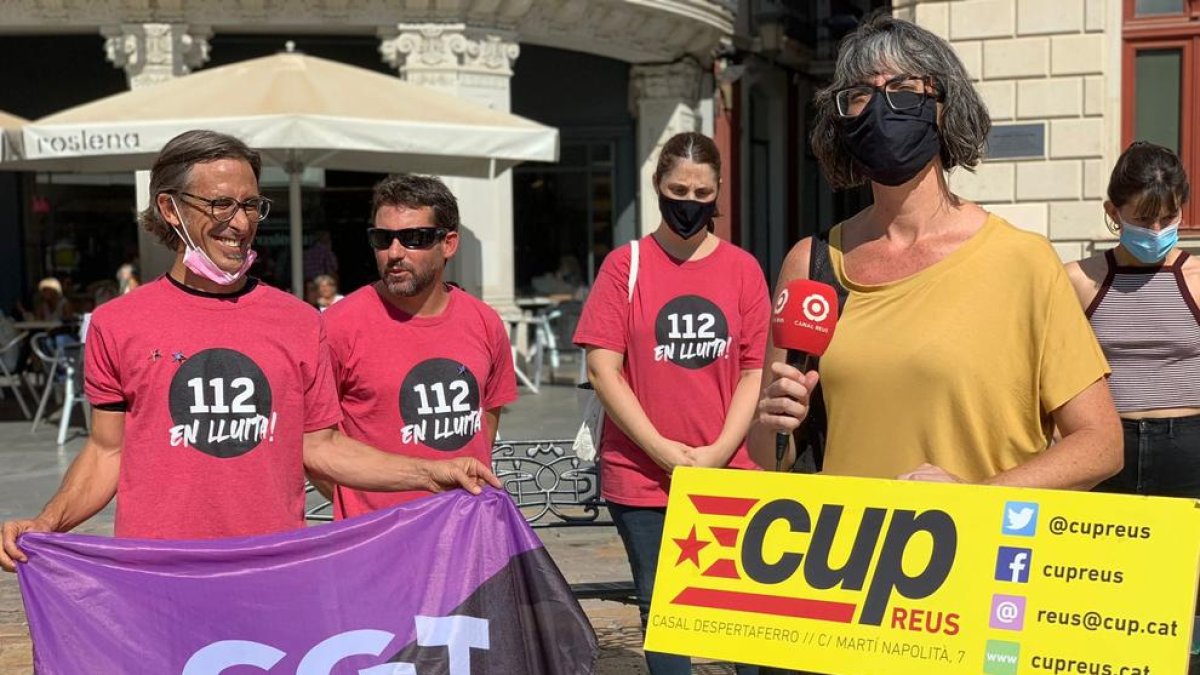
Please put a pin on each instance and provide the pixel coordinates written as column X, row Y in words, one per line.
column 218, row 393
column 417, row 386
column 691, row 330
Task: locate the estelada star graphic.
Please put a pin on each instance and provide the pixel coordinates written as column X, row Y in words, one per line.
column 689, row 549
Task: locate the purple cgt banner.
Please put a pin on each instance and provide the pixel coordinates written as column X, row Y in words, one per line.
column 448, row 585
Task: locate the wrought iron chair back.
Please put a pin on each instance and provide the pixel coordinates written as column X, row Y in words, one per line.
column 13, row 378
column 551, row 486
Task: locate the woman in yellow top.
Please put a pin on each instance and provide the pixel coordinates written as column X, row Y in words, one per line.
column 961, row 345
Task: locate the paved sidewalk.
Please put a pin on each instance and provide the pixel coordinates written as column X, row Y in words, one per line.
column 31, row 467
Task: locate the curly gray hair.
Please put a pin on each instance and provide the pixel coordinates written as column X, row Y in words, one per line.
column 884, row 43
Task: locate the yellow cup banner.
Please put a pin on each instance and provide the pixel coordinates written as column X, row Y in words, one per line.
column 855, row 576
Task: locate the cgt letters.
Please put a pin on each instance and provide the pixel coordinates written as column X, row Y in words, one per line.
column 458, row 634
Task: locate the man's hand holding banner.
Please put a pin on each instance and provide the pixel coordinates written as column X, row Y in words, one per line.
column 449, row 584
column 851, row 576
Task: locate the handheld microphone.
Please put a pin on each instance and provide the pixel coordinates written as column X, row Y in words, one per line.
column 806, row 313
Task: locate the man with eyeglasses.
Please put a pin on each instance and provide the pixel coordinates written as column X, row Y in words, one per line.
column 213, row 394
column 422, row 368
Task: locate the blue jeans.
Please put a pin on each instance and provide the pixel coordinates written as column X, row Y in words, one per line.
column 1162, row 458
column 1194, row 664
column 641, row 530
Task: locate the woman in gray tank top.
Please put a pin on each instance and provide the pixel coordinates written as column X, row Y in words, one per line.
column 1141, row 299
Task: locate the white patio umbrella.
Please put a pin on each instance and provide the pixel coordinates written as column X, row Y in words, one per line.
column 298, row 111
column 9, row 124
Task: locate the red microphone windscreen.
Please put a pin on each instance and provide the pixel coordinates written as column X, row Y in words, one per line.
column 804, row 317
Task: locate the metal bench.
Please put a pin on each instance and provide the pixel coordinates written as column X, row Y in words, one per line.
column 553, row 489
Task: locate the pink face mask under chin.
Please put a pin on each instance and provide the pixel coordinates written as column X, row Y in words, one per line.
column 201, row 265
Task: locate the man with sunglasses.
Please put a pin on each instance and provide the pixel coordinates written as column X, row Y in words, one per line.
column 213, row 394
column 422, row 368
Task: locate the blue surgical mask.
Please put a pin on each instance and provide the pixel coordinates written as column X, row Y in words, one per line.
column 1149, row 246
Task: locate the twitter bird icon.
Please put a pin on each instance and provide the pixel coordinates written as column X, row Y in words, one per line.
column 1020, row 518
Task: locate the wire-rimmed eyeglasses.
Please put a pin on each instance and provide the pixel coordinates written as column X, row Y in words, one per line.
column 223, row 209
column 903, row 92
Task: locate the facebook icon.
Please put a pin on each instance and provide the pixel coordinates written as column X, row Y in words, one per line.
column 1012, row 564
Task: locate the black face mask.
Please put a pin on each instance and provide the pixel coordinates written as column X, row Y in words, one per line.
column 686, row 217
column 892, row 146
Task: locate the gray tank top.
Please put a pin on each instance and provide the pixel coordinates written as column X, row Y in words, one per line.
column 1149, row 327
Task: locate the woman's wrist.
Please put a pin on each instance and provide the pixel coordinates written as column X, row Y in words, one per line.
column 653, row 445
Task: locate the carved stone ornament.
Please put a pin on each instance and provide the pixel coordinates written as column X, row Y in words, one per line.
column 428, row 49
column 156, row 52
column 679, row 81
column 635, row 31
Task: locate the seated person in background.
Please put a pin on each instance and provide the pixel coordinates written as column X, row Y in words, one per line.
column 319, row 259
column 49, row 304
column 127, row 279
column 563, row 283
column 326, row 291
column 102, row 291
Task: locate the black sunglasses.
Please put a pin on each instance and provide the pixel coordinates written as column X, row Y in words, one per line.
column 416, row 238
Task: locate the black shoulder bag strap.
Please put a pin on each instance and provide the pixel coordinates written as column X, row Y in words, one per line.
column 811, row 458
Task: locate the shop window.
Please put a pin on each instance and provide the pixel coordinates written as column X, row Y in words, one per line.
column 1142, row 8
column 1160, row 100
column 564, row 217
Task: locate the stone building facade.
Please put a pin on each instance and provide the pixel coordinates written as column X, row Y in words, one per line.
column 1055, row 81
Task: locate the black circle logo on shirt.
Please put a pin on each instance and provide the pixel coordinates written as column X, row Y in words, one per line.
column 220, row 403
column 439, row 405
column 691, row 332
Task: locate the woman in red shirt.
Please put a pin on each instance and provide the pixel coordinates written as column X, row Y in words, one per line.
column 674, row 357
